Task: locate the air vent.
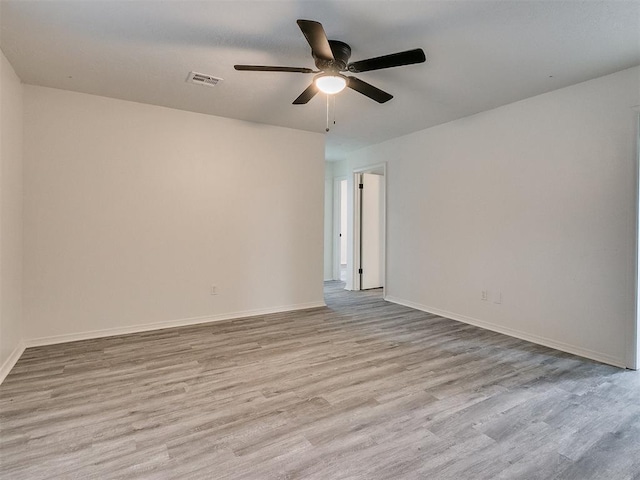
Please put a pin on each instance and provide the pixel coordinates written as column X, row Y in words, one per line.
column 203, row 79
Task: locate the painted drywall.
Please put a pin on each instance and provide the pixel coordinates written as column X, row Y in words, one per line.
column 533, row 202
column 133, row 212
column 11, row 111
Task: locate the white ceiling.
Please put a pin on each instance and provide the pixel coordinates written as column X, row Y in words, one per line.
column 480, row 55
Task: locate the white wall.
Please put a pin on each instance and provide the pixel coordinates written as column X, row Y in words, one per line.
column 11, row 110
column 133, row 211
column 534, row 202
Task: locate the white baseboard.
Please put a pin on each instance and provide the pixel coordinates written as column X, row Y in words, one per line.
column 11, row 361
column 547, row 342
column 110, row 332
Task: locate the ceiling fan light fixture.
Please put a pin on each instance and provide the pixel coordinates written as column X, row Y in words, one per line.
column 331, row 84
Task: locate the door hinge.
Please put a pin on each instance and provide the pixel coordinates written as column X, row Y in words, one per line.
column 361, row 186
column 360, row 271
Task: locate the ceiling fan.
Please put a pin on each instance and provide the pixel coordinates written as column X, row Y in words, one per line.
column 332, row 58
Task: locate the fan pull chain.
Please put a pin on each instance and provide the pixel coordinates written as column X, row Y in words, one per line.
column 327, row 129
column 334, row 109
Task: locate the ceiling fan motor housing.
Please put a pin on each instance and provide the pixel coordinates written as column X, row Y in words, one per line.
column 341, row 54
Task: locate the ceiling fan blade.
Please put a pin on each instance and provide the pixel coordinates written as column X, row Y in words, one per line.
column 314, row 33
column 307, row 95
column 368, row 90
column 387, row 61
column 266, row 68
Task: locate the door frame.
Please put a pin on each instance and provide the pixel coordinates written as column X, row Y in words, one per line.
column 633, row 345
column 355, row 225
column 337, row 216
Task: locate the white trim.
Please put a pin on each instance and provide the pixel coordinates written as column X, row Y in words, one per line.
column 355, row 237
column 10, row 362
column 547, row 342
column 110, row 332
column 633, row 343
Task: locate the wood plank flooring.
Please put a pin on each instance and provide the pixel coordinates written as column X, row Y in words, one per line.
column 363, row 389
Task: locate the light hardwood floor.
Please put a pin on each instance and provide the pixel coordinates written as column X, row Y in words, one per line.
column 363, row 389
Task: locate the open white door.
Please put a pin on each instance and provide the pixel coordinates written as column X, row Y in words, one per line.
column 371, row 231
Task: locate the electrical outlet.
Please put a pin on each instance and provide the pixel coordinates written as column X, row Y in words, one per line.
column 214, row 289
column 484, row 295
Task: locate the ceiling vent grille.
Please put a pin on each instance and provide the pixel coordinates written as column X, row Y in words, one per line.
column 203, row 79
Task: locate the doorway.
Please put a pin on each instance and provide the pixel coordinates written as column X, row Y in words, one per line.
column 340, row 214
column 369, row 227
